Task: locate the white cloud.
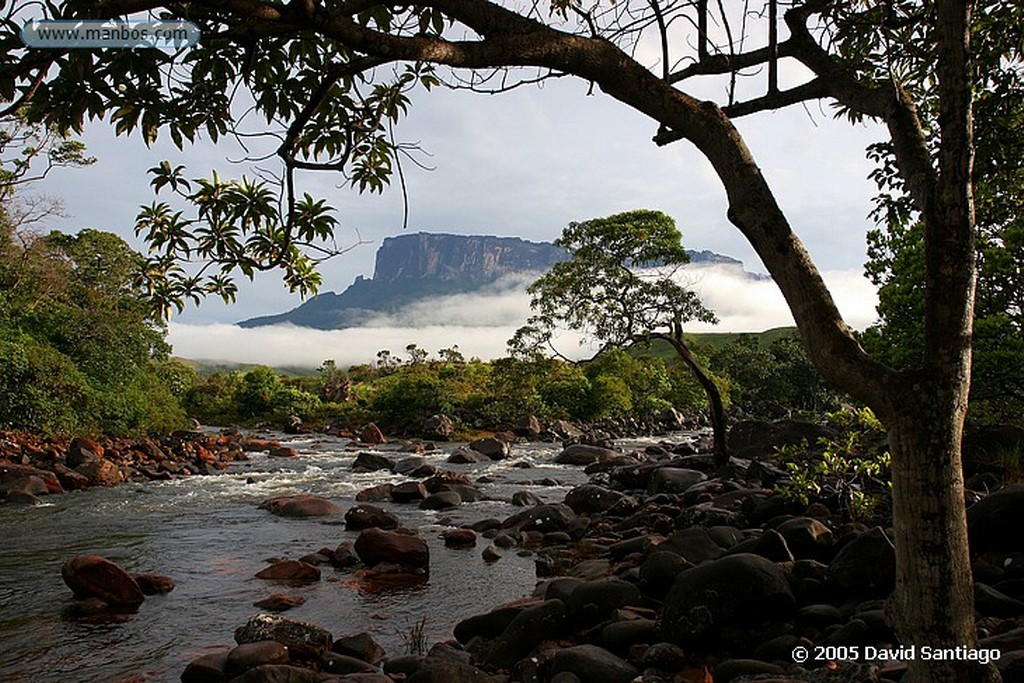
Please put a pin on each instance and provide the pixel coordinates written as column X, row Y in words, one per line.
column 480, row 324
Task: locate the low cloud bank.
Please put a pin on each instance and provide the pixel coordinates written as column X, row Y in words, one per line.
column 481, row 323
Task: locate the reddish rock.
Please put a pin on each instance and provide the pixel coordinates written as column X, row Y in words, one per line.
column 154, row 584
column 300, row 506
column 375, row 494
column 251, row 444
column 279, row 602
column 91, row 576
column 251, row 655
column 375, row 546
column 283, row 452
column 344, row 556
column 100, row 472
column 83, row 450
column 206, row 669
column 459, row 538
column 367, row 516
column 10, row 473
column 409, row 492
column 290, row 570
column 371, row 434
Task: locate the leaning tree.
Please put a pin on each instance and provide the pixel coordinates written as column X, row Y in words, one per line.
column 332, row 76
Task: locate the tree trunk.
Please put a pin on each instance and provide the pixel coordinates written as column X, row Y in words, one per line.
column 934, row 598
column 721, row 449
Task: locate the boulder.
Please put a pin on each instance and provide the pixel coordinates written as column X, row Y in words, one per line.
column 493, row 448
column 459, row 538
column 592, row 663
column 82, row 450
column 543, row 518
column 438, row 427
column 206, row 669
column 372, row 462
column 545, row 621
column 279, row 602
column 594, row 601
column 368, row 516
column 591, row 498
column 582, row 454
column 278, row 673
column 412, row 464
column 753, row 439
column 282, row 452
column 100, row 472
column 302, row 640
column 335, row 663
column 992, row 521
column 300, row 506
column 489, row 625
column 289, row 570
column 736, row 589
column 466, row 456
column 442, row 500
column 375, row 546
column 807, row 538
column 528, row 426
column 361, row 646
column 866, row 564
column 154, row 584
column 372, row 435
column 375, row 494
column 14, row 477
column 694, row 545
column 250, row 655
column 673, row 480
column 409, row 492
column 92, row 576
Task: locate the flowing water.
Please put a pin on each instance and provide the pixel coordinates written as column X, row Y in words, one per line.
column 209, row 536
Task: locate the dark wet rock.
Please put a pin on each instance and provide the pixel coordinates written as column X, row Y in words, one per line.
column 770, row 545
column 992, row 522
column 590, row 499
column 620, row 636
column 411, row 464
column 466, row 456
column 282, row 452
column 594, row 601
column 489, row 625
column 300, row 506
column 371, row 434
column 344, row 556
column 820, row 616
column 731, row 669
column 206, row 669
column 659, row 571
column 100, row 472
column 409, row 492
column 582, row 454
column 22, row 498
column 336, row 663
column 368, row 516
column 375, row 494
column 289, row 570
column 302, row 640
column 493, row 448
column 92, row 576
column 442, row 500
column 528, row 426
column 279, row 602
column 592, row 663
column 673, row 480
column 853, row 632
column 250, row 655
column 278, row 673
column 807, row 538
column 693, row 545
column 438, row 427
column 459, row 538
column 664, row 656
column 361, row 646
column 154, row 584
column 372, row 462
column 753, row 439
column 528, row 629
column 544, row 518
column 735, row 589
column 866, row 564
column 490, row 554
column 526, row 499
column 82, row 450
column 446, row 669
column 992, row 603
column 375, row 546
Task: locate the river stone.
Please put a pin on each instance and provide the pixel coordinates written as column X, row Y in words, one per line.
column 278, row 673
column 659, row 571
column 410, row 464
column 154, row 584
column 371, row 434
column 250, row 655
column 372, row 462
column 466, row 456
column 82, row 450
column 673, row 480
column 543, row 518
column 290, row 570
column 620, row 636
column 206, row 669
column 992, row 521
column 735, row 589
column 866, row 564
column 489, row 625
column 92, row 576
column 594, row 601
column 100, row 472
column 368, row 516
column 459, row 538
column 299, row 507
column 591, row 498
column 529, row 628
column 375, row 546
column 732, row 669
column 493, row 448
column 375, row 494
column 442, row 500
column 279, row 602
column 582, row 454
column 336, row 663
column 302, row 640
column 807, row 538
column 592, row 663
column 693, row 545
column 438, row 427
column 361, row 646
column 409, row 492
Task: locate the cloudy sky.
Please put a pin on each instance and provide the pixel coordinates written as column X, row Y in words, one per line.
column 523, row 163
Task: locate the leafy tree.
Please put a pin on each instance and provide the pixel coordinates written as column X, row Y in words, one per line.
column 332, row 79
column 610, row 289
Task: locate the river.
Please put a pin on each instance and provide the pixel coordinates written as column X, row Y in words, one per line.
column 207, row 533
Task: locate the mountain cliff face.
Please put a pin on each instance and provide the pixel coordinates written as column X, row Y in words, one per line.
column 421, row 265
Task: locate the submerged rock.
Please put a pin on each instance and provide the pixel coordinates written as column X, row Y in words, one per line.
column 92, row 576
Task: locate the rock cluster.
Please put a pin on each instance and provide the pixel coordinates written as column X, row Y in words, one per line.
column 31, row 466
